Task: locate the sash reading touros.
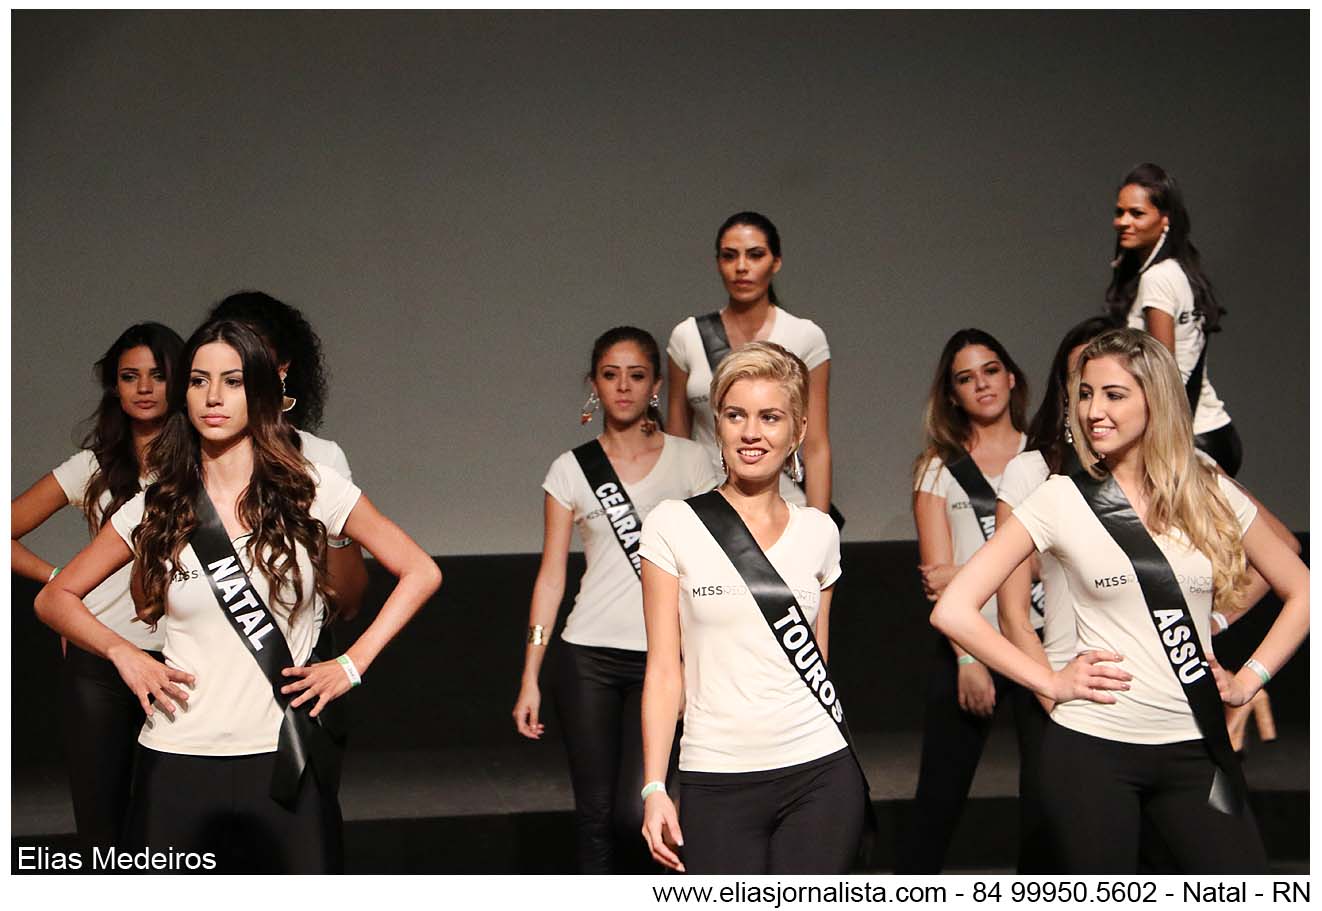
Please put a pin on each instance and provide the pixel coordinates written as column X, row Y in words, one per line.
column 1174, row 626
column 609, row 491
column 303, row 741
column 983, row 500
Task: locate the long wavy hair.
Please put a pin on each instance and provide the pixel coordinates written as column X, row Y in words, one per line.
column 275, row 505
column 287, row 330
column 763, row 224
column 1164, row 194
column 1046, row 432
column 110, row 436
column 946, row 426
column 1182, row 492
column 644, row 340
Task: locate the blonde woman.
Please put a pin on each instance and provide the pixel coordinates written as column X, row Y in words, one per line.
column 1151, row 540
column 770, row 782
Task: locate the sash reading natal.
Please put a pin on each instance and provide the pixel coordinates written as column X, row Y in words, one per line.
column 1170, row 616
column 609, row 491
column 303, row 741
column 983, row 500
column 716, row 345
column 785, row 619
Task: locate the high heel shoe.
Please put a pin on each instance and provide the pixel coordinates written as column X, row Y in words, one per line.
column 1237, row 719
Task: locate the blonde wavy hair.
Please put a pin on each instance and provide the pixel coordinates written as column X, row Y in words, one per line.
column 1182, row 491
column 763, row 361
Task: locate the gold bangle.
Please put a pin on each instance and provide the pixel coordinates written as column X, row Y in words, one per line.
column 537, row 635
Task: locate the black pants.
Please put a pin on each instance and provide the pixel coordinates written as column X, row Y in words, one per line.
column 222, row 804
column 952, row 745
column 101, row 719
column 598, row 694
column 1223, row 444
column 804, row 818
column 1096, row 791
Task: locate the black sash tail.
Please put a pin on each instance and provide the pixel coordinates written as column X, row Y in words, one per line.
column 1193, row 387
column 784, row 617
column 609, row 491
column 1174, row 626
column 304, row 741
column 983, row 500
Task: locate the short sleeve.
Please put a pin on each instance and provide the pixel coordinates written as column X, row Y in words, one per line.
column 1019, row 479
column 814, row 350
column 933, row 479
column 1038, row 513
column 128, row 517
column 658, row 531
column 1244, row 509
column 559, row 482
column 74, row 473
column 677, row 347
column 339, row 462
column 1159, row 288
column 830, row 570
column 336, row 498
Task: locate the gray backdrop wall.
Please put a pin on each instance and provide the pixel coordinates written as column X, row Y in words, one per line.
column 461, row 201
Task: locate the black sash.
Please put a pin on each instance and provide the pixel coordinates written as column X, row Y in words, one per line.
column 1193, row 387
column 784, row 617
column 304, row 741
column 609, row 491
column 716, row 345
column 983, row 500
column 1170, row 616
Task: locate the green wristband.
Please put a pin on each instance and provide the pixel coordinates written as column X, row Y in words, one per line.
column 966, row 659
column 350, row 670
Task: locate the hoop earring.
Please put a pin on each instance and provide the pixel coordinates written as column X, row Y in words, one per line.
column 287, row 402
column 589, row 407
column 648, row 425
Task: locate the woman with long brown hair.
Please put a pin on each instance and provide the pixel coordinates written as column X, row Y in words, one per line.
column 99, row 717
column 229, row 545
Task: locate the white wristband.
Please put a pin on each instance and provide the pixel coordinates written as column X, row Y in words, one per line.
column 55, row 571
column 652, row 787
column 1221, row 620
column 350, row 671
column 337, row 543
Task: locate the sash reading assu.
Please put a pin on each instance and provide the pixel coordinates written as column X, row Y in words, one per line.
column 609, row 491
column 1170, row 617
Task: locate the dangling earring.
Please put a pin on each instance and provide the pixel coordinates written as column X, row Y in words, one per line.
column 724, row 470
column 287, row 402
column 1069, row 435
column 796, row 466
column 589, row 407
column 648, row 425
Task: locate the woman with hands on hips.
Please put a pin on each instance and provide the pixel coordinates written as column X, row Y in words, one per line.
column 230, row 485
column 1151, row 539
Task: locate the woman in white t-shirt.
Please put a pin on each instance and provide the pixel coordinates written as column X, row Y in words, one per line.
column 599, row 670
column 219, row 767
column 769, row 780
column 973, row 423
column 99, row 717
column 748, row 258
column 1158, row 285
column 1137, row 748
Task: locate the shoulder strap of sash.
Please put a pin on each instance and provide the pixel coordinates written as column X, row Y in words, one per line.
column 715, row 342
column 610, row 493
column 779, row 607
column 1179, row 639
column 1193, row 387
column 983, row 500
column 302, row 740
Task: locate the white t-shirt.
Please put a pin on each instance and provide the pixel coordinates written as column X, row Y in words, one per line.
column 608, row 609
column 801, row 336
column 965, row 531
column 1112, row 615
column 231, row 711
column 1022, row 476
column 110, row 602
column 325, row 452
column 746, row 708
column 1165, row 287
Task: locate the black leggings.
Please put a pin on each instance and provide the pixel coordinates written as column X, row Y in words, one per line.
column 222, row 804
column 1096, row 791
column 101, row 719
column 804, row 818
column 952, row 745
column 1223, row 445
column 598, row 692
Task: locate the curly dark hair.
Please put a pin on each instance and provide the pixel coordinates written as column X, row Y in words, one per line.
column 296, row 344
column 111, row 434
column 276, row 504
